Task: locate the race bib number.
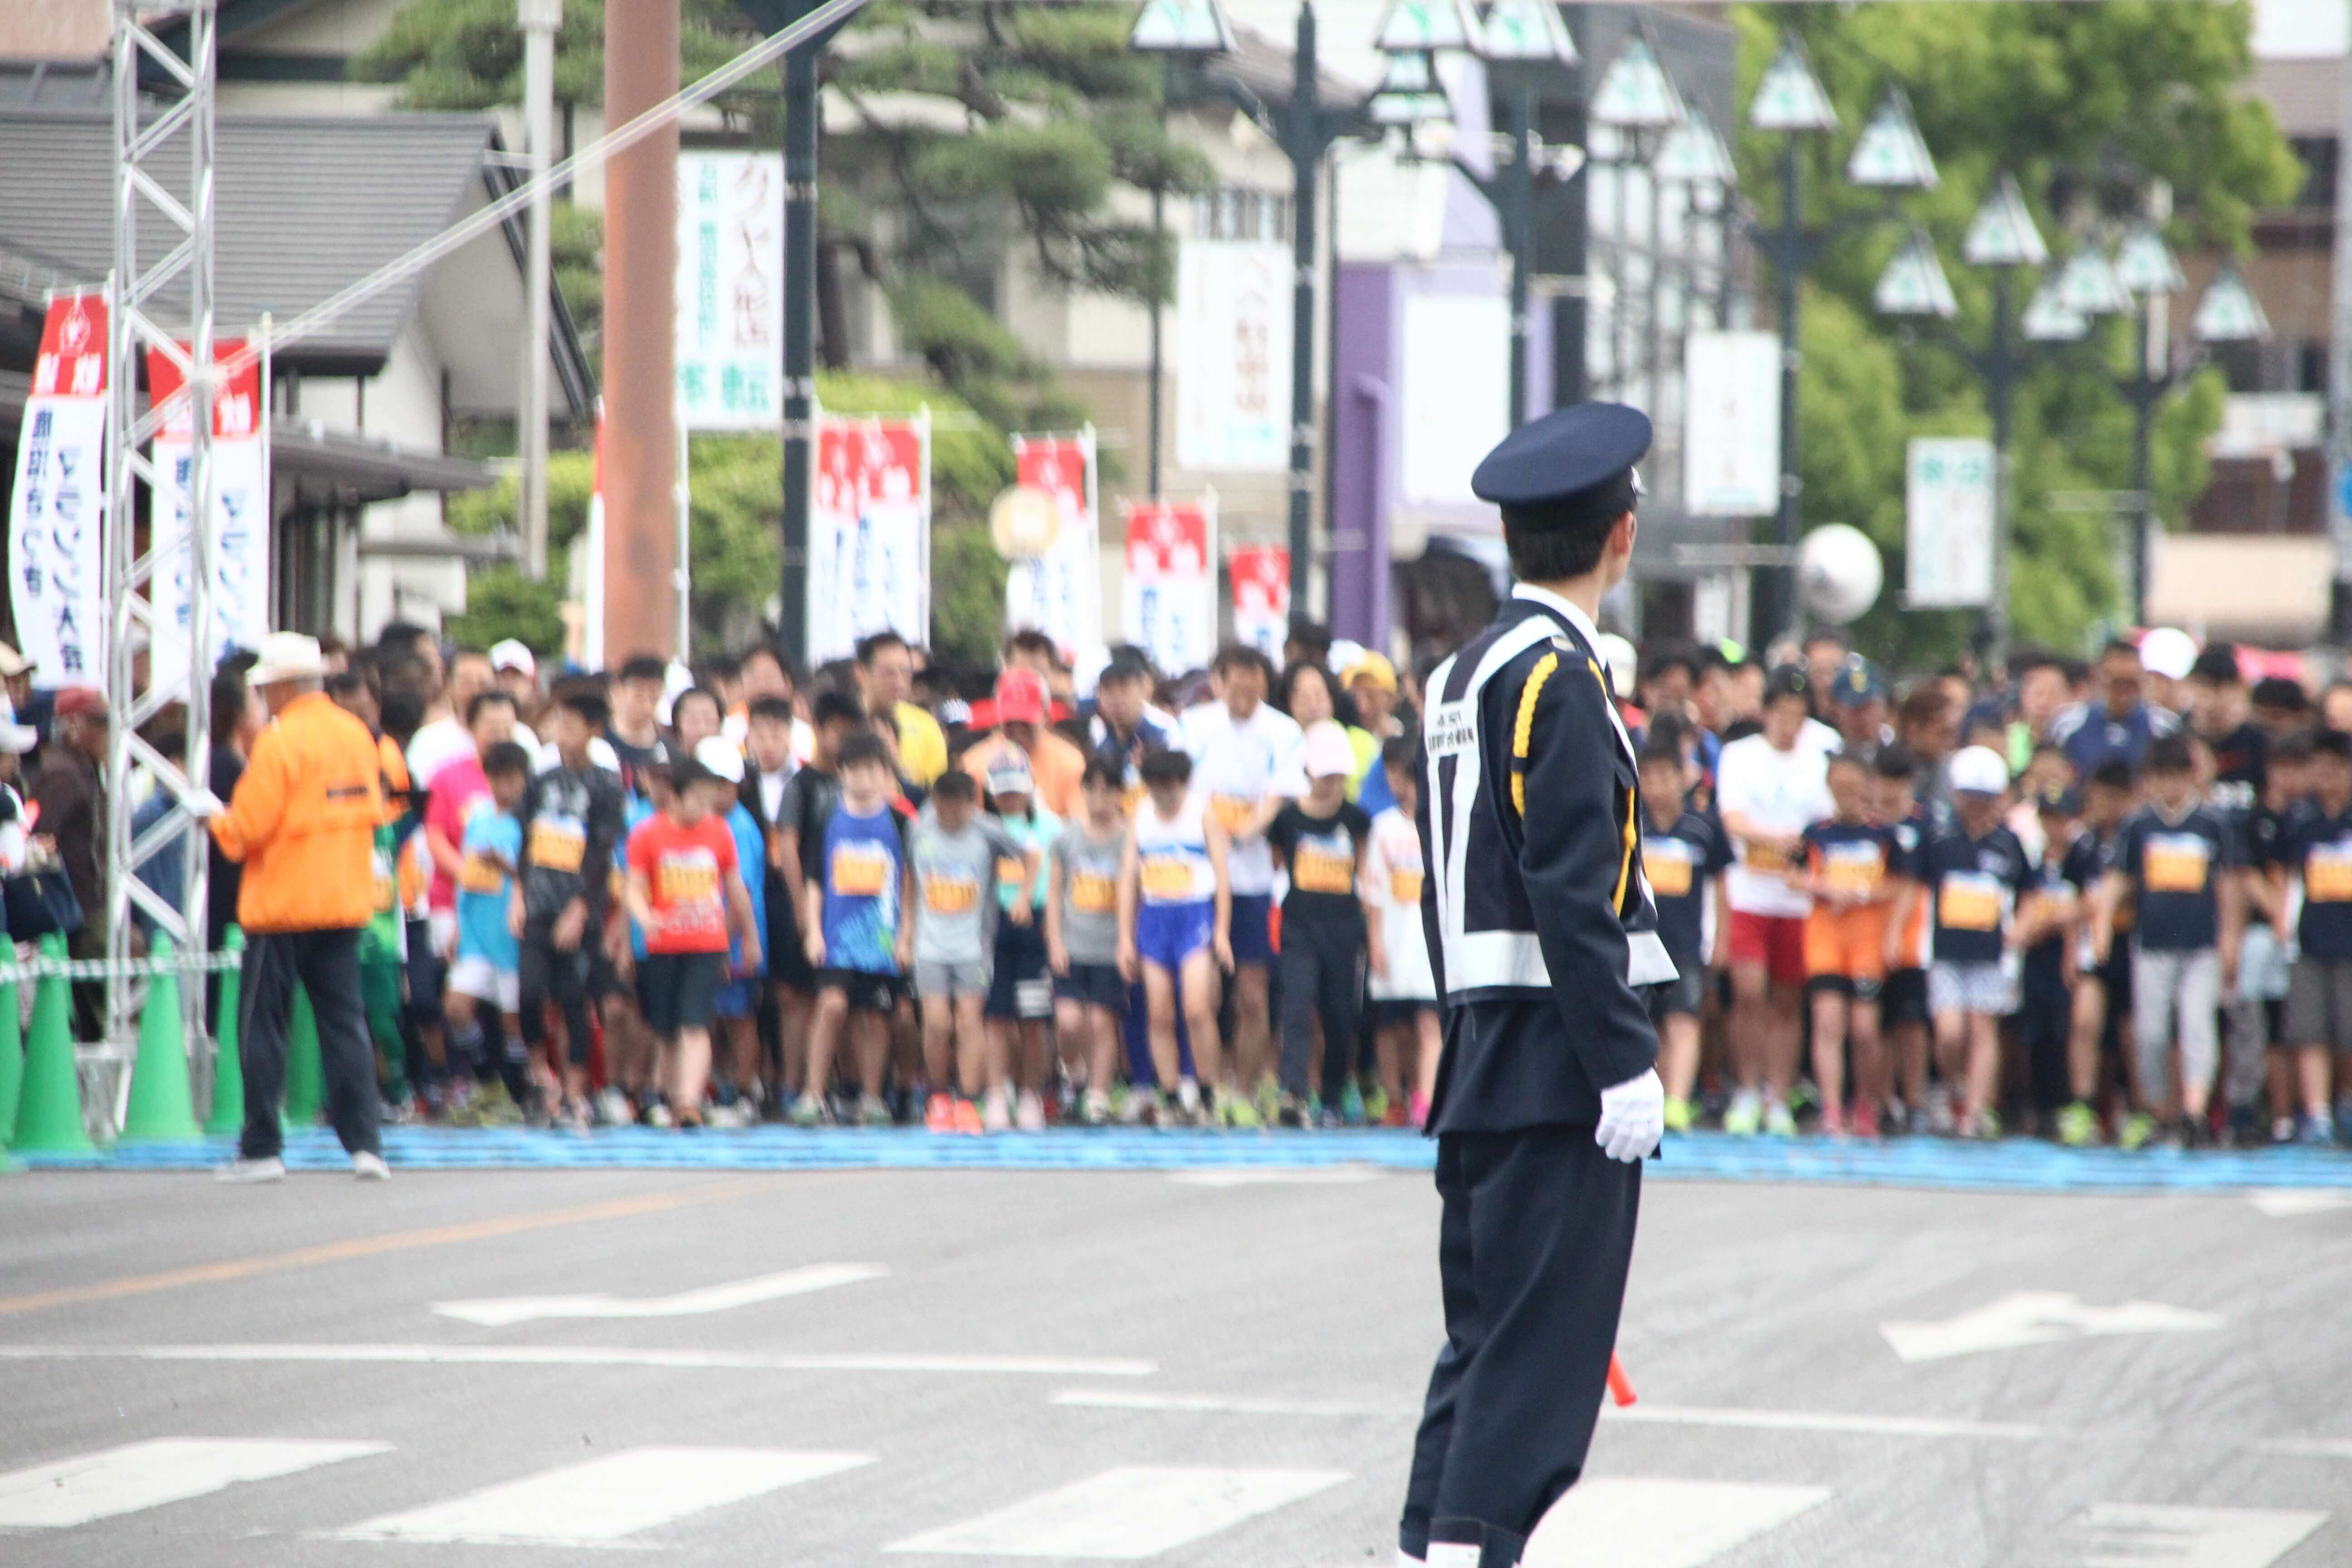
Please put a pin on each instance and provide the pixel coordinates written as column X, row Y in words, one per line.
column 944, row 894
column 1012, row 872
column 1319, row 870
column 860, row 870
column 691, row 878
column 1167, row 878
column 1404, row 885
column 1758, row 856
column 481, row 875
column 1668, row 865
column 558, row 843
column 1853, row 868
column 1232, row 812
column 2175, row 863
column 1970, row 901
column 2327, row 873
column 1094, row 895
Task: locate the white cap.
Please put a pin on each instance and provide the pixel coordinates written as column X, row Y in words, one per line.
column 511, row 654
column 1977, row 770
column 287, row 656
column 1345, row 655
column 2168, row 651
column 676, row 680
column 14, row 737
column 720, row 757
column 1327, row 752
column 1623, row 664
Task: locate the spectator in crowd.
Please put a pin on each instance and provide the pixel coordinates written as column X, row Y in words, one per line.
column 1825, row 651
column 69, row 800
column 886, row 673
column 302, row 823
column 447, row 735
column 1371, row 682
column 1123, row 729
column 1054, row 763
column 634, row 731
column 2119, row 722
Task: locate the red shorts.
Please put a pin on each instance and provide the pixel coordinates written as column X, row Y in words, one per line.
column 1776, row 941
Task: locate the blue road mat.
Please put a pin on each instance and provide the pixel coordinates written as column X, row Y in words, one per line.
column 2017, row 1166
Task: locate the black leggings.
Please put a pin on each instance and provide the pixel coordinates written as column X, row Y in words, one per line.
column 1322, row 977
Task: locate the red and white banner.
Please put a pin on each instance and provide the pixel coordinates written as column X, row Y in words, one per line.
column 869, row 533
column 239, row 517
column 1060, row 592
column 1170, row 606
column 57, row 575
column 1261, row 574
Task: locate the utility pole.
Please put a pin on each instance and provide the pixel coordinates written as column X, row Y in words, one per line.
column 641, row 70
column 540, row 19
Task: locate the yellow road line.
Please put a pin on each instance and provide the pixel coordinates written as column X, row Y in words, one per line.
column 376, row 1245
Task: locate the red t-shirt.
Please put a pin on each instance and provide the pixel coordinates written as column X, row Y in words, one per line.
column 686, row 870
column 456, row 788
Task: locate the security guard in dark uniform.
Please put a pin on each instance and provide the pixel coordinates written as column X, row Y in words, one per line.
column 1541, row 929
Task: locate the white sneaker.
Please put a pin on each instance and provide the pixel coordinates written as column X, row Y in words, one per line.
column 995, row 1116
column 370, row 1167
column 613, row 1107
column 1188, row 1098
column 1030, row 1114
column 271, row 1169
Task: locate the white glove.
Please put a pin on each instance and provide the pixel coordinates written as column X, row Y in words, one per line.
column 1633, row 1117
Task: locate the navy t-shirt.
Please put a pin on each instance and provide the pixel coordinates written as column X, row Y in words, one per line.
column 1852, row 856
column 2318, row 848
column 1681, row 862
column 1975, row 883
column 2091, row 736
column 2064, row 878
column 2176, row 868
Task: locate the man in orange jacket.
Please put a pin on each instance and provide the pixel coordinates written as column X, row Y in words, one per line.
column 302, row 823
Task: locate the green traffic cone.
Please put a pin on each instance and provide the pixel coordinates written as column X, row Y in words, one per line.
column 228, row 1064
column 162, row 1109
column 304, row 1083
column 12, row 1062
column 49, row 1113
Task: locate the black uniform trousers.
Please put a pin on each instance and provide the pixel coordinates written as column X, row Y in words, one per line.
column 327, row 963
column 1533, row 1246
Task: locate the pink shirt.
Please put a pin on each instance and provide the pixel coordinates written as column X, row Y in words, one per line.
column 456, row 788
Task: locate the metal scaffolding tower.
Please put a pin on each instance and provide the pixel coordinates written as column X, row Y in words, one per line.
column 162, row 303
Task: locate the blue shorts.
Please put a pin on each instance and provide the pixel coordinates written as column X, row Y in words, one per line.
column 1168, row 934
column 1253, row 927
column 737, row 999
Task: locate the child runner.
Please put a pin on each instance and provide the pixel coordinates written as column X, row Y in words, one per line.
column 860, row 939
column 1404, row 988
column 1903, row 996
column 954, row 851
column 1021, row 991
column 1082, row 932
column 1848, row 868
column 2179, row 860
column 768, row 746
column 686, row 891
column 736, row 1097
column 2316, row 857
column 2047, row 925
column 2103, row 995
column 1684, row 855
column 1974, row 871
column 484, row 969
column 798, row 855
column 1320, row 842
column 1174, row 904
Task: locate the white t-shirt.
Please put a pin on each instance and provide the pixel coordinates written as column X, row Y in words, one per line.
column 1235, row 764
column 434, row 747
column 1392, row 883
column 1783, row 792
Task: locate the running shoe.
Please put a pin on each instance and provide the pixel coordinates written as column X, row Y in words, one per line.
column 995, row 1115
column 810, row 1111
column 2318, row 1132
column 1984, row 1125
column 1779, row 1123
column 657, row 1114
column 1351, row 1105
column 1236, row 1111
column 2194, row 1134
column 2138, row 1128
column 1268, row 1101
column 733, row 1117
column 1094, row 1109
column 613, row 1107
column 1745, row 1114
column 964, row 1119
column 1942, row 1120
column 1188, row 1099
column 1293, row 1114
column 1029, row 1115
column 1417, row 1110
column 247, row 1171
column 2282, row 1129
column 574, row 1118
column 2078, row 1126
column 1150, row 1108
column 1396, row 1116
column 1376, row 1108
column 1865, row 1118
column 1831, row 1124
column 1679, row 1114
column 1329, row 1119
column 938, row 1114
column 872, row 1111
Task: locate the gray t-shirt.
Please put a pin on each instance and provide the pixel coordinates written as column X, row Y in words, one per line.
column 955, row 886
column 1090, row 894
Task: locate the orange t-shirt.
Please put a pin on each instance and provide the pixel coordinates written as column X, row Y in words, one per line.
column 686, row 870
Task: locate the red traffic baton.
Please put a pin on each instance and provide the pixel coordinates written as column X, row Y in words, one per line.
column 1621, row 1388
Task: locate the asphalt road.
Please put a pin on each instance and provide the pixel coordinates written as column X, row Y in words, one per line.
column 1132, row 1366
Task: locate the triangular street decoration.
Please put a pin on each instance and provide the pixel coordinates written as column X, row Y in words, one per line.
column 2229, row 313
column 2047, row 318
column 1891, row 155
column 1427, row 25
column 1181, row 28
column 1633, row 93
column 2087, row 285
column 2002, row 233
column 1914, row 283
column 2145, row 265
column 1527, row 30
column 1410, row 93
column 1693, row 153
column 1790, row 98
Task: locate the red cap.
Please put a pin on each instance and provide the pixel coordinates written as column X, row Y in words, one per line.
column 83, row 701
column 1020, row 697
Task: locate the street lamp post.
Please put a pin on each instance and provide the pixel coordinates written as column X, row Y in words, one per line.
column 1889, row 156
column 1635, row 100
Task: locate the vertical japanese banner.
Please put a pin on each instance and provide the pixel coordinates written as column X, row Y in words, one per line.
column 1232, row 365
column 56, row 580
column 869, row 533
column 1169, row 606
column 1060, row 592
column 730, row 304
column 1261, row 574
column 239, row 520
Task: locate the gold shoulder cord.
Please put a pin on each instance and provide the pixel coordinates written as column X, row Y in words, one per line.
column 1523, row 733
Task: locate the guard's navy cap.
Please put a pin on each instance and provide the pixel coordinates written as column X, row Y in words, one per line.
column 1560, row 470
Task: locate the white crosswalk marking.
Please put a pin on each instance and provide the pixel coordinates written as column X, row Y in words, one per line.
column 603, row 1500
column 1622, row 1522
column 145, row 1475
column 2138, row 1535
column 1125, row 1514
